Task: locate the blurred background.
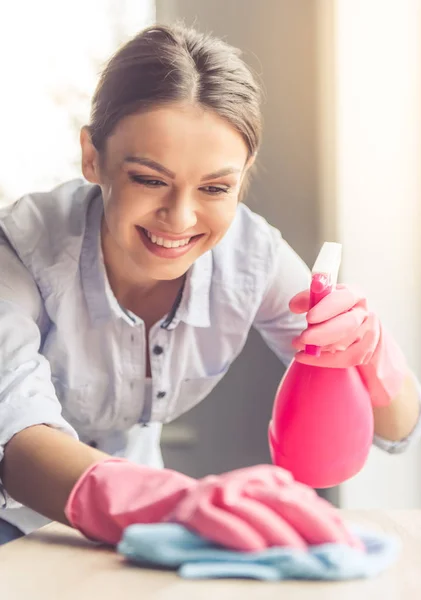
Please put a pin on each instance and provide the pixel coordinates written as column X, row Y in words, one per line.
column 340, row 161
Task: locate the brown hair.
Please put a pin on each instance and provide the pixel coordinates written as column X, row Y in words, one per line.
column 176, row 64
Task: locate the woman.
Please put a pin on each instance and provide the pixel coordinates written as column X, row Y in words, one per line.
column 126, row 297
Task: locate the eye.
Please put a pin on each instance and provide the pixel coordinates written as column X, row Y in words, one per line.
column 214, row 190
column 146, row 181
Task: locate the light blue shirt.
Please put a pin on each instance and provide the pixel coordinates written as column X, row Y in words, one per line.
column 72, row 358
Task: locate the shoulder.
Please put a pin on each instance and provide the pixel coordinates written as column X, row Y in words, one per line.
column 250, row 245
column 45, row 220
column 250, row 224
column 47, row 208
column 255, row 259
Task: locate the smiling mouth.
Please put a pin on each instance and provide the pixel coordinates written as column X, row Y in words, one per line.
column 165, row 247
column 165, row 242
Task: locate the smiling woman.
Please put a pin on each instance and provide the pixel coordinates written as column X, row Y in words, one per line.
column 127, row 297
column 184, row 193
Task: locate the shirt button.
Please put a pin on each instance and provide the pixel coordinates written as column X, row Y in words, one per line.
column 158, row 350
column 161, row 394
column 132, row 337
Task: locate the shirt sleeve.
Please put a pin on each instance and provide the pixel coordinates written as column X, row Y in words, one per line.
column 288, row 275
column 27, row 394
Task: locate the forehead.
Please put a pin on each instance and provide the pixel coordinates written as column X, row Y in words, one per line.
column 175, row 134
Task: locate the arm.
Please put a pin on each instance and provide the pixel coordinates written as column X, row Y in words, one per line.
column 39, row 457
column 400, row 421
column 289, row 275
column 41, row 466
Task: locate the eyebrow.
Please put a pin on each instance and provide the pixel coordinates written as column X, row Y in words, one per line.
column 152, row 164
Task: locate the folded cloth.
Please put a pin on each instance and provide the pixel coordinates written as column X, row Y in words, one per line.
column 172, row 546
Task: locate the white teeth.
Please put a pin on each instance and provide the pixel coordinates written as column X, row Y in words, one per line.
column 159, row 241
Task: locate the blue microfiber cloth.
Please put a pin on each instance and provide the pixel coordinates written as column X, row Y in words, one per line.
column 172, row 546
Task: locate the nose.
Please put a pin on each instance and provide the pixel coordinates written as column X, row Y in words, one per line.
column 178, row 214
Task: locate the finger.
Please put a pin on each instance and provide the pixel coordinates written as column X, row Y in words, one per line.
column 328, row 360
column 337, row 302
column 324, row 516
column 297, row 344
column 226, row 529
column 200, row 512
column 268, row 524
column 368, row 333
column 335, row 329
column 266, row 474
column 356, row 354
column 225, row 515
column 310, row 516
column 345, row 343
column 334, row 515
column 371, row 337
column 237, row 496
column 300, row 303
column 330, row 348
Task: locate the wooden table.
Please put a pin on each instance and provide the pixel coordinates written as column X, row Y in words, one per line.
column 57, row 563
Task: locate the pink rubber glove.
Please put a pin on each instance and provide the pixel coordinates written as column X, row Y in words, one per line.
column 351, row 336
column 248, row 509
column 115, row 493
column 257, row 507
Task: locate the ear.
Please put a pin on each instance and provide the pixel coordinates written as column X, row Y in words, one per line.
column 248, row 166
column 90, row 157
column 245, row 178
column 250, row 162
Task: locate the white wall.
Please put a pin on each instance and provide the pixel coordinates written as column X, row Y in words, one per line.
column 375, row 94
column 47, row 83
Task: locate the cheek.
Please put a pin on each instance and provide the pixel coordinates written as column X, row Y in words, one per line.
column 112, row 211
column 222, row 218
column 123, row 205
column 119, row 218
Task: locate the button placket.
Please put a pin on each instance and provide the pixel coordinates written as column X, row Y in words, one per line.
column 135, row 367
column 158, row 355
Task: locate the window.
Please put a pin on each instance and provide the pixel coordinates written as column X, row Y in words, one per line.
column 50, row 56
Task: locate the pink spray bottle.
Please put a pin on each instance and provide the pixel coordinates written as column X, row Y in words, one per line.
column 322, row 421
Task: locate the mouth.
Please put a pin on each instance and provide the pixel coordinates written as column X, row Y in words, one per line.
column 167, row 247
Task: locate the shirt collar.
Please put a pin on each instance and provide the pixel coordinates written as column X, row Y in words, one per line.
column 94, row 281
column 194, row 305
column 192, row 309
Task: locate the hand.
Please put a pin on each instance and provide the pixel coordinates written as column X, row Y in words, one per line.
column 247, row 509
column 341, row 325
column 257, row 507
column 351, row 336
